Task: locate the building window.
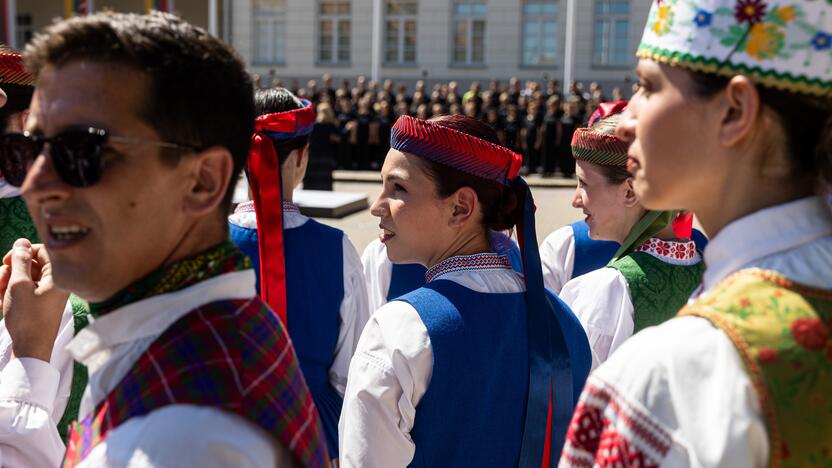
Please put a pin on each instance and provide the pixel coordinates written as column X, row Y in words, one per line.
column 612, row 33
column 469, row 32
column 334, row 35
column 400, row 32
column 270, row 31
column 540, row 22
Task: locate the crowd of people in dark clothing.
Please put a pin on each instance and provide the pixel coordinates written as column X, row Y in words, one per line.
column 536, row 120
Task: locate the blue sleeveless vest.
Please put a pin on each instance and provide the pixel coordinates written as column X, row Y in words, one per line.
column 314, row 256
column 409, row 277
column 473, row 411
column 591, row 254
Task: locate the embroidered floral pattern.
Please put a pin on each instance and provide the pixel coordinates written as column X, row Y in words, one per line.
column 483, row 261
column 781, row 331
column 669, row 250
column 777, row 43
column 703, row 18
column 749, row 11
column 609, row 431
column 822, row 41
column 810, row 333
column 664, row 19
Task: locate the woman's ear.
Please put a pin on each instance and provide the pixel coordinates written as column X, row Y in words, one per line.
column 740, row 103
column 464, row 206
column 628, row 193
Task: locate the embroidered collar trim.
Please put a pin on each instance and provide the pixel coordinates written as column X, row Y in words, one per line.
column 676, row 253
column 289, row 207
column 476, row 262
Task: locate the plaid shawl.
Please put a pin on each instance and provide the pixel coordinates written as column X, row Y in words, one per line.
column 232, row 354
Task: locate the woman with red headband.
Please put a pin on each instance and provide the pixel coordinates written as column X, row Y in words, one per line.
column 654, row 270
column 463, row 371
column 324, row 300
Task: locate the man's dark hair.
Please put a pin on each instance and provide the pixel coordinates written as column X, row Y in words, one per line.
column 272, row 101
column 200, row 93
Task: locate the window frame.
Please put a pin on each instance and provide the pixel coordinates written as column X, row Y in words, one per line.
column 541, row 20
column 469, row 33
column 273, row 17
column 402, row 19
column 608, row 19
column 336, row 19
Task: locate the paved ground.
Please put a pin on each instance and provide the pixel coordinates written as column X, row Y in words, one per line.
column 554, row 210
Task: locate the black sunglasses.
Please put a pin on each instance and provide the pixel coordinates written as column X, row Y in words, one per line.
column 77, row 154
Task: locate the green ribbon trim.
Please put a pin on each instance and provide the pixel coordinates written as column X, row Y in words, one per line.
column 649, row 224
column 770, row 78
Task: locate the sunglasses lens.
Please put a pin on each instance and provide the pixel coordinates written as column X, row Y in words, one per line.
column 77, row 157
column 17, row 152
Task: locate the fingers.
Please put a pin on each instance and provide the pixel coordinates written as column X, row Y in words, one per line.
column 21, row 261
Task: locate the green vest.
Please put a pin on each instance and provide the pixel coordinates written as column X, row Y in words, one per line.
column 781, row 331
column 658, row 289
column 80, row 318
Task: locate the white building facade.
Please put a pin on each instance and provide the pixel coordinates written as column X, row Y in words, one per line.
column 440, row 40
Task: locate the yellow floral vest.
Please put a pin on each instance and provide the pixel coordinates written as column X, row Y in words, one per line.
column 781, row 331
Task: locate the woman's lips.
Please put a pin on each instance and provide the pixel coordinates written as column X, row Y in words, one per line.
column 385, row 235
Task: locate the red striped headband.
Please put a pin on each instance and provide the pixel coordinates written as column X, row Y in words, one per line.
column 456, row 149
column 12, row 70
column 601, row 148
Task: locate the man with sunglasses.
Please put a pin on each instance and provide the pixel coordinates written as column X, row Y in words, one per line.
column 30, row 423
column 130, row 170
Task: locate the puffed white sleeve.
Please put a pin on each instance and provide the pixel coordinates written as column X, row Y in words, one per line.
column 673, row 395
column 557, row 256
column 33, row 397
column 389, row 375
column 378, row 272
column 354, row 313
column 601, row 301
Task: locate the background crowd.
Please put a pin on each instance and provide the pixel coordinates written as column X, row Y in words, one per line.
column 536, row 120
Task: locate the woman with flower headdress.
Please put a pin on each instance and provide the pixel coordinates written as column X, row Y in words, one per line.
column 656, row 265
column 324, row 301
column 463, row 371
column 732, row 121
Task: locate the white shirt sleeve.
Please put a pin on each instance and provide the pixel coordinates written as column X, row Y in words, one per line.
column 676, row 394
column 33, row 397
column 389, row 375
column 557, row 256
column 212, row 438
column 355, row 311
column 378, row 271
column 601, row 301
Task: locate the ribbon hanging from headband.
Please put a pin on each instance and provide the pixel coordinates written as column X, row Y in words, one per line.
column 550, row 398
column 267, row 193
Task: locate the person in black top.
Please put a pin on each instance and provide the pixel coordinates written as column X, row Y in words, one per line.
column 511, row 128
column 346, row 122
column 531, row 139
column 363, row 120
column 569, row 123
column 323, row 145
column 551, row 130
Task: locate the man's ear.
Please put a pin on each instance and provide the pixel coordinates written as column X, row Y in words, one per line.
column 211, row 170
column 630, row 197
column 464, row 206
column 740, row 107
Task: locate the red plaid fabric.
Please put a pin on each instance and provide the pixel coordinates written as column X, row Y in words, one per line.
column 234, row 355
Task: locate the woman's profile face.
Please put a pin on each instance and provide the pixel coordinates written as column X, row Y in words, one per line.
column 602, row 203
column 674, row 155
column 414, row 221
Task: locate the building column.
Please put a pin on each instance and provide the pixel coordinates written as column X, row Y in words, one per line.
column 569, row 55
column 213, row 17
column 375, row 63
column 11, row 23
